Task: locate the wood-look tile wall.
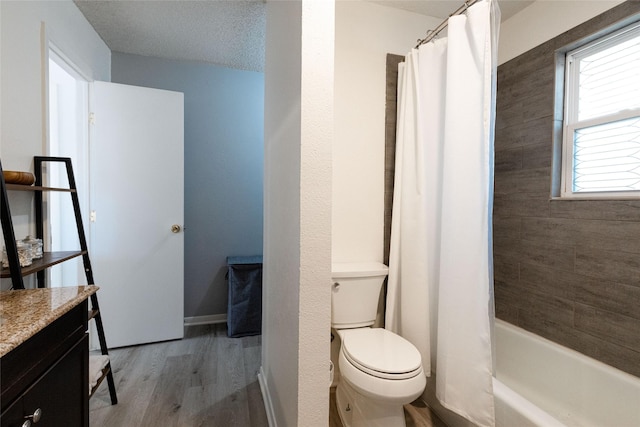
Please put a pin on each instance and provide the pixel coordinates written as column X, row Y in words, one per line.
column 391, row 110
column 566, row 270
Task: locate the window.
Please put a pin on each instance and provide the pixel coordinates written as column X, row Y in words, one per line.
column 601, row 135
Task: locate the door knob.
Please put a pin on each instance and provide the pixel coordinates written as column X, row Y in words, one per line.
column 175, row 228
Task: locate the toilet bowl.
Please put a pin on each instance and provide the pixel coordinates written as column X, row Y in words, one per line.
column 379, row 371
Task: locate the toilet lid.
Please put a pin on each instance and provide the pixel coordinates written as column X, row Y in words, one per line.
column 381, row 353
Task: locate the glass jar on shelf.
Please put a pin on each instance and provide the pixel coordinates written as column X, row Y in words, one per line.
column 24, row 255
column 36, row 246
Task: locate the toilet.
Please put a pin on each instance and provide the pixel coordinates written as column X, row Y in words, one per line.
column 379, row 371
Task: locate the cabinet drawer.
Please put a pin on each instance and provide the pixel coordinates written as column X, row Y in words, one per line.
column 61, row 394
column 26, row 363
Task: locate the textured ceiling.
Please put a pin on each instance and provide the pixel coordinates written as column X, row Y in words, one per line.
column 230, row 33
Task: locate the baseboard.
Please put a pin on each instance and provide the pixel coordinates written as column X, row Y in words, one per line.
column 266, row 397
column 205, row 320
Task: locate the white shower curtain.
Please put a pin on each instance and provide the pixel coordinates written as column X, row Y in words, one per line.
column 440, row 288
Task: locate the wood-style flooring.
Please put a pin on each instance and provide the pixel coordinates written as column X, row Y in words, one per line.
column 204, row 380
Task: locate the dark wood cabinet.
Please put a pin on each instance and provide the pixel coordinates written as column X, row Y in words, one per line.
column 49, row 373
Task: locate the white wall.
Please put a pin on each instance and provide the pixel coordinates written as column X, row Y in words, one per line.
column 544, row 20
column 297, row 212
column 365, row 33
column 26, row 27
column 22, row 134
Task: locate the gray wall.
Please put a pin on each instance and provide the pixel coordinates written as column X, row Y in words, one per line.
column 224, row 111
column 566, row 270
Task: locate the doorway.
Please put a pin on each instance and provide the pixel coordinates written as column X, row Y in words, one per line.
column 68, row 137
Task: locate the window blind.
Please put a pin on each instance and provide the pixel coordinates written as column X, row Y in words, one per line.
column 604, row 116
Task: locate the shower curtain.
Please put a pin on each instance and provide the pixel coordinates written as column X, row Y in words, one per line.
column 440, row 286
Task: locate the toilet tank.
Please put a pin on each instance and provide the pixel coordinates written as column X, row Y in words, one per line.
column 355, row 291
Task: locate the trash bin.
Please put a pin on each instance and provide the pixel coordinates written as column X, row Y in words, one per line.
column 244, row 308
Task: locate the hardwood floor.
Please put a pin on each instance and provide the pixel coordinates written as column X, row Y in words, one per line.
column 204, row 380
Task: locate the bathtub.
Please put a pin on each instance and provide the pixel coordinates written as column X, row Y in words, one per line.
column 540, row 383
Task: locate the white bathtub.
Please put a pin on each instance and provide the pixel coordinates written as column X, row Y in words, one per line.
column 540, row 383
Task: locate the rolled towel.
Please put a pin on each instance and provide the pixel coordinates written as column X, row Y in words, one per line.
column 96, row 365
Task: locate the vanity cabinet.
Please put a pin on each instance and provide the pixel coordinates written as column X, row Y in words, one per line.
column 44, row 380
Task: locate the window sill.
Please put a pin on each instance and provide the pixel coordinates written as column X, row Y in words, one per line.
column 593, row 198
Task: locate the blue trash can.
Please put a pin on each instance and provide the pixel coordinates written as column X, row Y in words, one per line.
column 244, row 308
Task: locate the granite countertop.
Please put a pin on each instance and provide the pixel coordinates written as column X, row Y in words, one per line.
column 23, row 313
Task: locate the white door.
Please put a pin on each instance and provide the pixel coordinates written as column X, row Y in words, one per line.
column 136, row 180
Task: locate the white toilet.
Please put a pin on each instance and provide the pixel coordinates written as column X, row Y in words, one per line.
column 379, row 370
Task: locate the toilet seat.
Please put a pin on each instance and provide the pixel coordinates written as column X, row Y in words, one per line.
column 381, row 353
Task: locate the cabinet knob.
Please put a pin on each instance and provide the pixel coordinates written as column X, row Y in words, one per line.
column 175, row 228
column 37, row 414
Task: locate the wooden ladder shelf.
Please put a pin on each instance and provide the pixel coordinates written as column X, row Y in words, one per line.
column 16, row 272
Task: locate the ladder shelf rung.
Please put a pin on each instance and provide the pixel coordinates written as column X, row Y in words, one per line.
column 19, row 187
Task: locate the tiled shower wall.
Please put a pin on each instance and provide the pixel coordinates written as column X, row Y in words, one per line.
column 390, row 144
column 566, row 270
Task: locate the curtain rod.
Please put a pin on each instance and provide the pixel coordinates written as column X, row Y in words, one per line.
column 432, row 33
